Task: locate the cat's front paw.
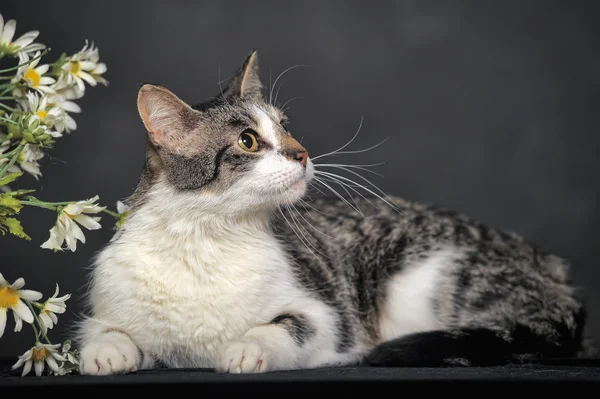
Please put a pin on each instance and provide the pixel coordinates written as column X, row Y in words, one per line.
column 244, row 357
column 113, row 353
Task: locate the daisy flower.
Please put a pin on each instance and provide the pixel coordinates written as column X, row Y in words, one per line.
column 66, row 123
column 28, row 160
column 38, row 357
column 67, row 228
column 49, row 309
column 49, row 114
column 70, row 356
column 23, row 44
column 83, row 66
column 33, row 74
column 10, row 298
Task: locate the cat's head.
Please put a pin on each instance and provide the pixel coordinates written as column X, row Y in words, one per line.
column 230, row 154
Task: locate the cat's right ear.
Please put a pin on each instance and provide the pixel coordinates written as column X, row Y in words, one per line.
column 165, row 116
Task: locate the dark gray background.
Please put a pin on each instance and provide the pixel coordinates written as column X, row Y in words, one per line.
column 491, row 108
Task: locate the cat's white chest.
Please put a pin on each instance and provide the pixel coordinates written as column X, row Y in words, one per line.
column 184, row 304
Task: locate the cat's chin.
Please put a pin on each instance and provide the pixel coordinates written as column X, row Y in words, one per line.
column 294, row 192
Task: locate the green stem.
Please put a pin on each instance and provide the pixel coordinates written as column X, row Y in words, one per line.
column 14, row 158
column 35, row 331
column 10, row 153
column 8, row 88
column 115, row 214
column 37, row 320
column 6, row 107
column 33, row 199
column 38, row 204
column 8, row 98
column 43, row 53
column 8, row 121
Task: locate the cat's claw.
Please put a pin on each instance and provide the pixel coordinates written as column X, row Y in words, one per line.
column 244, row 357
column 114, row 354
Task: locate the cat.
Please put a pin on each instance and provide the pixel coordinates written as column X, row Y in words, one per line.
column 222, row 264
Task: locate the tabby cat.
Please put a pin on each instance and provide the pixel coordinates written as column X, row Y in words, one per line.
column 224, row 264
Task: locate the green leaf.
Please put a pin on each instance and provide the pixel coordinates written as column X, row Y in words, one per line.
column 10, row 178
column 14, row 226
column 18, row 193
column 9, row 204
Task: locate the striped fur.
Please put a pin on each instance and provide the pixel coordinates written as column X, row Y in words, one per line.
column 217, row 265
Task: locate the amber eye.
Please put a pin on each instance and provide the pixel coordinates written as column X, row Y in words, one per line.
column 247, row 141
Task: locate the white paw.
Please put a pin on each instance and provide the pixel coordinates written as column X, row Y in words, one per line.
column 112, row 353
column 244, row 357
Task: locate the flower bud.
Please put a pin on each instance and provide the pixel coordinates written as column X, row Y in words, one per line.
column 29, row 137
column 39, row 131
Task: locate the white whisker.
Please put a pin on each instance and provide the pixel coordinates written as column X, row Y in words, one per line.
column 350, row 186
column 310, row 224
column 338, row 195
column 276, row 80
column 353, row 152
column 345, row 145
column 307, row 240
column 361, row 186
column 221, row 88
column 289, row 101
column 343, row 166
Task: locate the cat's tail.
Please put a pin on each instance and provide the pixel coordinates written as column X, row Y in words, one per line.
column 471, row 347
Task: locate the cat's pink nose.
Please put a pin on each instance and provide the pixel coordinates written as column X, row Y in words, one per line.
column 302, row 157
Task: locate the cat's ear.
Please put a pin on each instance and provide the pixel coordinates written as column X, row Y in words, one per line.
column 165, row 116
column 246, row 82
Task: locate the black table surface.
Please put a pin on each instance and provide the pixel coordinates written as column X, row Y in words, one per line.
column 562, row 371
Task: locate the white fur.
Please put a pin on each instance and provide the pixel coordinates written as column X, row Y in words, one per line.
column 408, row 308
column 192, row 279
column 266, row 127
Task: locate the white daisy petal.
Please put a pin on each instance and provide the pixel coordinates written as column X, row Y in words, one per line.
column 87, row 222
column 18, row 284
column 100, row 69
column 26, row 38
column 87, row 65
column 52, row 363
column 27, row 367
column 55, row 308
column 23, row 312
column 39, row 367
column 88, row 78
column 47, row 80
column 56, row 239
column 18, row 322
column 19, row 363
column 59, row 357
column 2, row 321
column 45, row 322
column 42, row 69
column 31, row 295
column 8, row 32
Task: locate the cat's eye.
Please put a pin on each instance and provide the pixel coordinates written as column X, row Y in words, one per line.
column 284, row 127
column 248, row 141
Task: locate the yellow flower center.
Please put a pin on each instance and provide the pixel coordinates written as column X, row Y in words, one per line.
column 32, row 77
column 8, row 297
column 75, row 67
column 39, row 354
column 42, row 114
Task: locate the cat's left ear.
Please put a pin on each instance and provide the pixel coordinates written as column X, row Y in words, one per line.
column 246, row 82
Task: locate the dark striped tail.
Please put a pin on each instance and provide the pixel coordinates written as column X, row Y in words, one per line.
column 470, row 347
